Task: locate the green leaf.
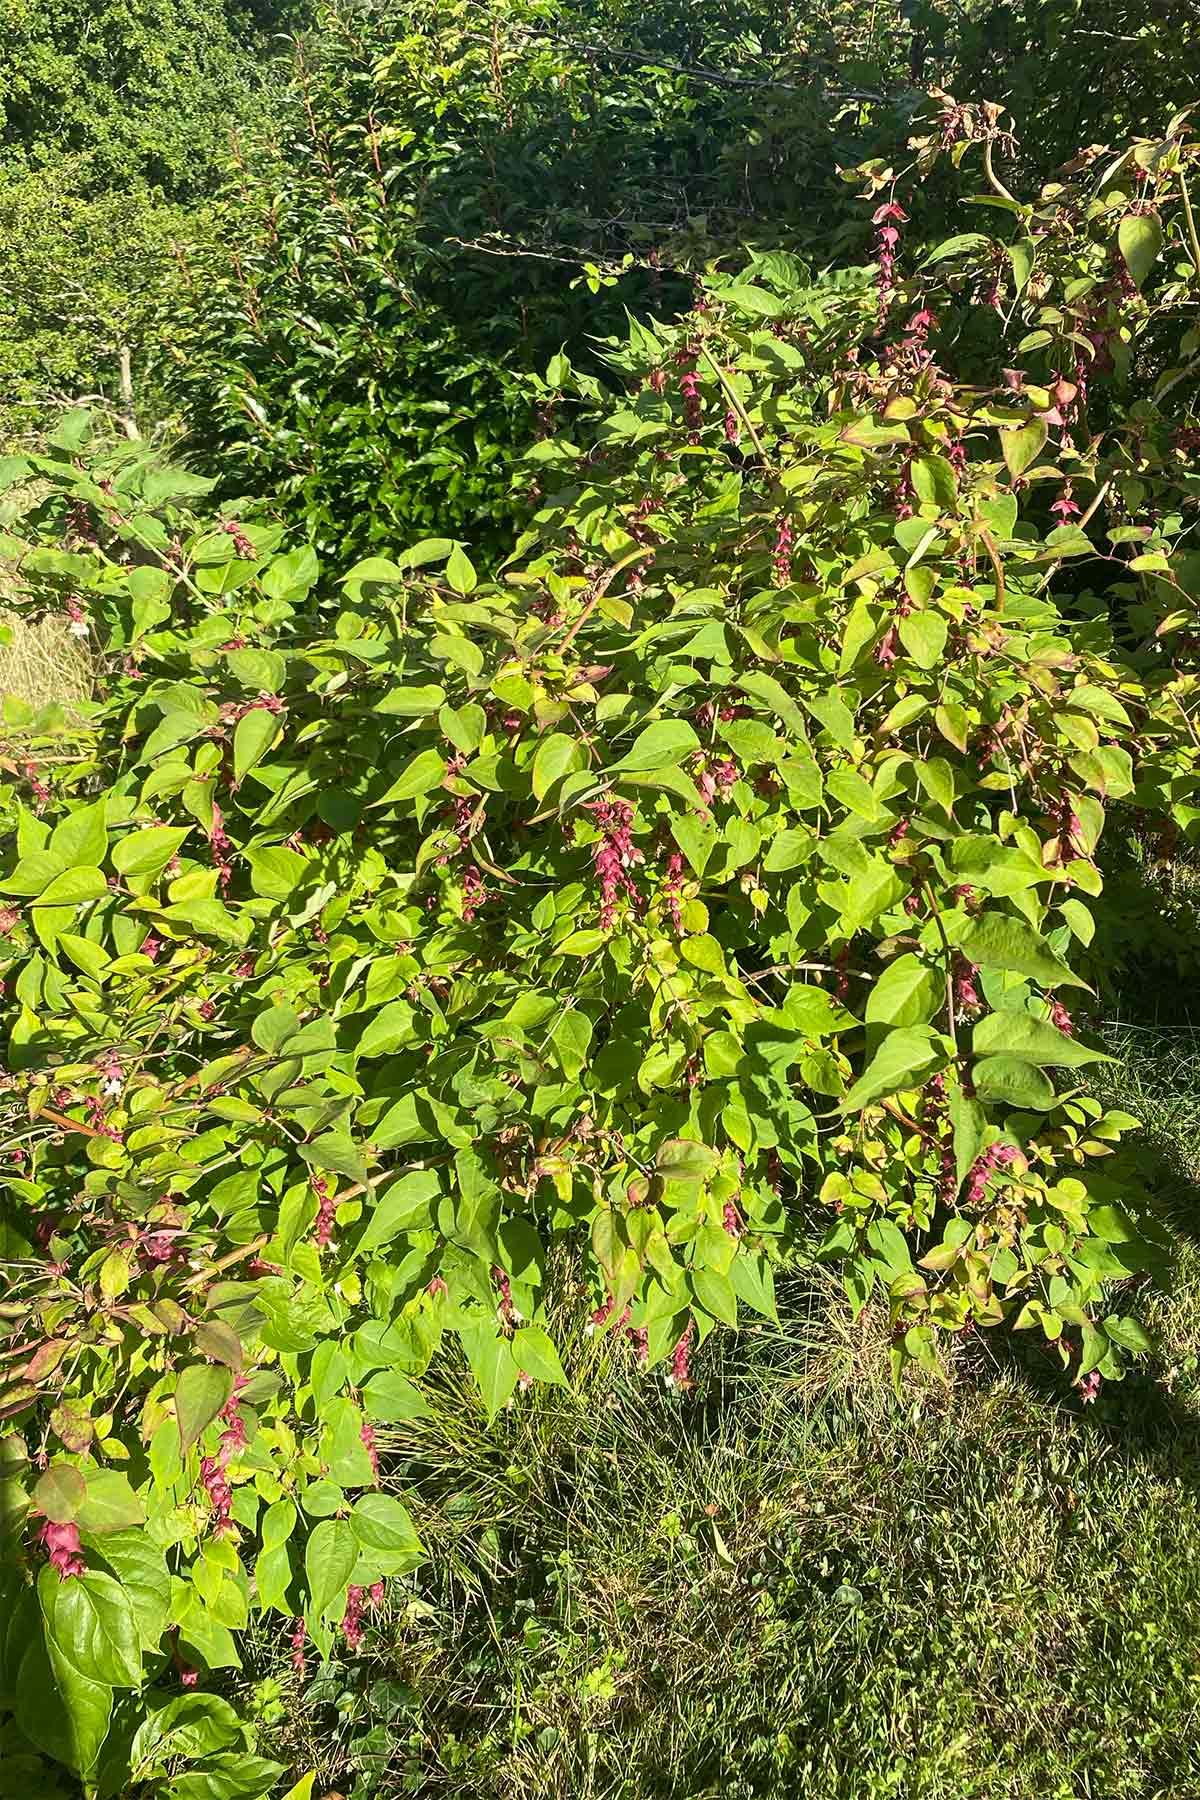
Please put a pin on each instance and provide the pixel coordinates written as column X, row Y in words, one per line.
column 933, row 481
column 404, row 1206
column 460, row 571
column 557, row 755
column 148, row 850
column 904, row 1059
column 111, row 1504
column 697, row 838
column 90, row 1622
column 1130, row 1333
column 73, row 887
column 936, row 776
column 329, row 1560
column 662, row 745
column 968, row 1120
column 273, row 1576
column 679, row 1159
column 754, row 1283
column 923, row 635
column 200, row 1393
column 253, row 736
column 65, row 1715
column 890, row 1245
column 82, row 837
column 60, row 1493
column 381, row 1523
column 276, row 871
column 492, row 1364
column 788, row 850
column 1032, row 1040
column 534, row 1352
column 571, row 1035
column 747, row 299
column 183, row 1725
column 141, row 1567
column 391, row 1397
column 972, row 241
column 291, row 575
column 1021, row 445
column 765, row 687
column 411, row 702
column 336, row 1152
column 1015, row 1083
column 1139, row 239
column 341, row 1451
column 33, row 874
column 1022, row 255
column 997, row 941
column 833, row 715
column 716, row 1294
column 907, row 993
column 850, row 789
column 393, row 1025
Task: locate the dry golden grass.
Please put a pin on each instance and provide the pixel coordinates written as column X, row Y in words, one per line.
column 42, row 662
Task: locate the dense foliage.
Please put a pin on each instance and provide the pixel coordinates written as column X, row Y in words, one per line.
column 713, row 889
column 460, row 191
column 115, row 126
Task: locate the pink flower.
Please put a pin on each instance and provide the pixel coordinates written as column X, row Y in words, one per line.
column 965, row 994
column 672, row 881
column 680, row 1375
column 326, row 1207
column 352, row 1629
column 188, row 1677
column 474, row 892
column 781, row 555
column 1089, row 1387
column 220, row 1495
column 64, row 1549
column 613, row 856
column 367, row 1434
column 297, row 1640
column 1061, row 1017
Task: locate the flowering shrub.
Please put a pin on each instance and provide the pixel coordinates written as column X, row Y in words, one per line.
column 714, row 887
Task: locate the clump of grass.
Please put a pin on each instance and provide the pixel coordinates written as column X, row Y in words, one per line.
column 42, row 663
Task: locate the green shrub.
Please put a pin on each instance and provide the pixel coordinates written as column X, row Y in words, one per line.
column 707, row 892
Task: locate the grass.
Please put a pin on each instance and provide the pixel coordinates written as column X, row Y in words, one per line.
column 42, row 663
column 787, row 1584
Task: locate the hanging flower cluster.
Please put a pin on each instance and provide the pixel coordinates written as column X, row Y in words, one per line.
column 614, row 855
column 887, row 220
column 64, row 1549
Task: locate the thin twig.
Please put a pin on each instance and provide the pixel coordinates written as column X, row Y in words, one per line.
column 736, row 404
column 941, row 931
column 992, row 176
column 226, row 1262
column 600, row 589
column 1191, row 221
